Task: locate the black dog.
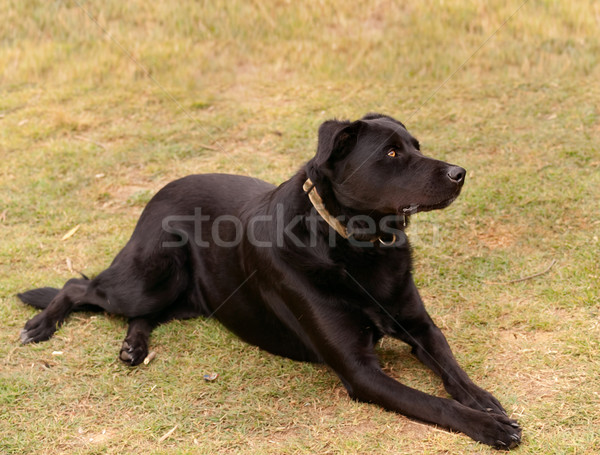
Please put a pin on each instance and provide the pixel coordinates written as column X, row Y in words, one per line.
column 317, row 269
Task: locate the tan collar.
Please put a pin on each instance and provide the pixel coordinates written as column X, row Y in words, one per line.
column 317, row 202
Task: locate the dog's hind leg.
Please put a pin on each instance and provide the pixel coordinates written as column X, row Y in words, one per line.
column 135, row 346
column 43, row 325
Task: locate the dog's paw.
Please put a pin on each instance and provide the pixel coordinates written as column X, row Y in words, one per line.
column 133, row 353
column 495, row 430
column 477, row 398
column 39, row 328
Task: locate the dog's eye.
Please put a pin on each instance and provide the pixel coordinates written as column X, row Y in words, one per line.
column 392, row 153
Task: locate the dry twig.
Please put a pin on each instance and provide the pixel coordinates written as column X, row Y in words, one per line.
column 525, row 278
column 91, row 141
column 167, row 434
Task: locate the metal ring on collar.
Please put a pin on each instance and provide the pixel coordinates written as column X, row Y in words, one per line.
column 391, row 242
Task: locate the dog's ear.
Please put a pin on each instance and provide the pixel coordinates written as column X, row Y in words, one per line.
column 336, row 138
column 376, row 115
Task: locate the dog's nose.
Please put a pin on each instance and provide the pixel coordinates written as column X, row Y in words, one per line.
column 456, row 174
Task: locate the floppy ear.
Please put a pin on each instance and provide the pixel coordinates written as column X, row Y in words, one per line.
column 336, row 138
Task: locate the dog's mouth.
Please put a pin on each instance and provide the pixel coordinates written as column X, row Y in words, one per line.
column 416, row 208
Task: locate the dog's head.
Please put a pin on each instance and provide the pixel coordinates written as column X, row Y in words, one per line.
column 375, row 165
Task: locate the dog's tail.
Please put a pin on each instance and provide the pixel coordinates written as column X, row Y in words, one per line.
column 41, row 297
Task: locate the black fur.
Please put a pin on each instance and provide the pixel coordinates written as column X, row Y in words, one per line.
column 38, row 298
column 303, row 292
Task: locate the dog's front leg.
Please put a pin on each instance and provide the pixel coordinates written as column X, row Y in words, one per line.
column 348, row 347
column 415, row 327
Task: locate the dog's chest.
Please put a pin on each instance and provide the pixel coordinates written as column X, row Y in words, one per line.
column 378, row 288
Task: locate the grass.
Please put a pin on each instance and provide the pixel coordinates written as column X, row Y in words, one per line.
column 95, row 117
